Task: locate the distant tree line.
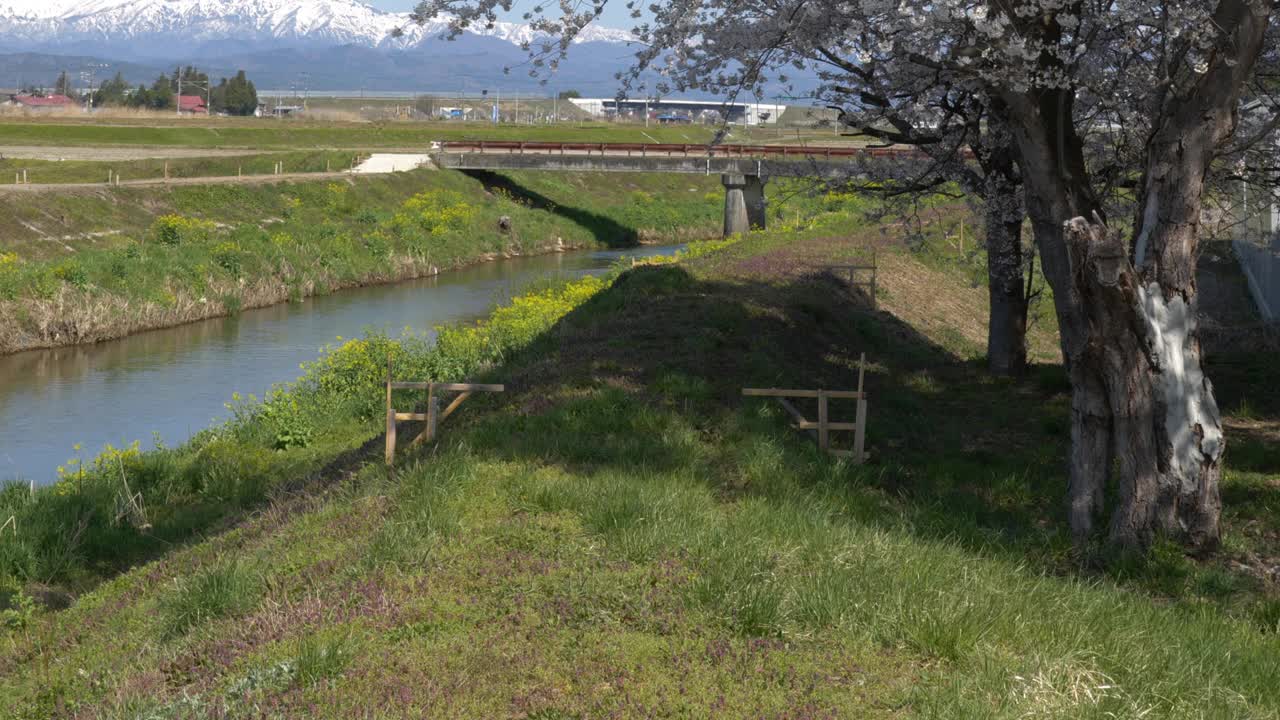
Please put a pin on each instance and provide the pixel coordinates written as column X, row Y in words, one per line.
column 234, row 96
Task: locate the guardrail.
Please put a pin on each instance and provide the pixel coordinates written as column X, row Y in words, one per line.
column 516, row 147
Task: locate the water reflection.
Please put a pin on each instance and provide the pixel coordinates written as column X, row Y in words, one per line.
column 175, row 382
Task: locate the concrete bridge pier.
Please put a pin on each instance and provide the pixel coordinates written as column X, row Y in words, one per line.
column 743, row 203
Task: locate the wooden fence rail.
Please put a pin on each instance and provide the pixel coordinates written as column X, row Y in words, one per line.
column 434, row 415
column 824, row 425
column 859, row 276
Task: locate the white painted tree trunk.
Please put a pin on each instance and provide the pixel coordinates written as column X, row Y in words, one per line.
column 1141, row 364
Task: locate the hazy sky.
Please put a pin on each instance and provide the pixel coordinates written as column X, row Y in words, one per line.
column 615, row 14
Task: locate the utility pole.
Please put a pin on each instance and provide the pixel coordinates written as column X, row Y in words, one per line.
column 89, row 76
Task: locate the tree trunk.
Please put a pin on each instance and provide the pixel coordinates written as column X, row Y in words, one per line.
column 1141, row 405
column 1007, row 319
column 1141, row 360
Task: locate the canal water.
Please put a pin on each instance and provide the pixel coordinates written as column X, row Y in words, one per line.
column 173, row 383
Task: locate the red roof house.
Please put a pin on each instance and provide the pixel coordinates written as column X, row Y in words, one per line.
column 192, row 104
column 41, row 101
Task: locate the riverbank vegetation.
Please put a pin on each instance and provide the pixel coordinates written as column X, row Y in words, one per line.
column 171, row 255
column 622, row 533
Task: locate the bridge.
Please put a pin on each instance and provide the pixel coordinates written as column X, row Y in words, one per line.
column 743, row 169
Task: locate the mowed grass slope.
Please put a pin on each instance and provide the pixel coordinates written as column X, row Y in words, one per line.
column 151, row 257
column 268, row 134
column 622, row 534
column 42, row 172
column 414, row 136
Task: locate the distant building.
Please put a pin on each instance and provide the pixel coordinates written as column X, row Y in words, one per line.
column 40, row 102
column 192, row 104
column 265, row 110
column 455, row 113
column 681, row 111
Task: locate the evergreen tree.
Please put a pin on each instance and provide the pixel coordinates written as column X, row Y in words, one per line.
column 63, row 86
column 112, row 92
column 218, row 97
column 240, row 96
column 161, row 95
column 140, row 98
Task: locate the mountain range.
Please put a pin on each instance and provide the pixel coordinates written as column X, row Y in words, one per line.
column 319, row 44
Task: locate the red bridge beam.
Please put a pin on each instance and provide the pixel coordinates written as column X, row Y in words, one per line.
column 516, row 147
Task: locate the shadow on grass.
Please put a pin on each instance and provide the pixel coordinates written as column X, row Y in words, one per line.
column 641, row 374
column 605, row 230
column 967, row 456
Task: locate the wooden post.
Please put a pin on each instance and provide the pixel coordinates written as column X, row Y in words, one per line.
column 824, row 440
column 391, row 421
column 860, row 421
column 25, row 181
column 166, row 171
column 875, row 268
column 433, row 415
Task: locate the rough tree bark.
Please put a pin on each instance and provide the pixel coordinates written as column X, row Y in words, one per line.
column 1139, row 360
column 1006, row 287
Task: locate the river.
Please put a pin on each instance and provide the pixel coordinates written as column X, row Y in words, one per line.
column 169, row 384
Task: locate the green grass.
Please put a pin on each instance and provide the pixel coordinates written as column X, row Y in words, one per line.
column 229, row 589
column 84, row 171
column 273, row 134
column 270, row 134
column 622, row 533
column 187, row 252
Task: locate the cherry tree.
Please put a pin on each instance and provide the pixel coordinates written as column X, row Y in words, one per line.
column 1118, row 115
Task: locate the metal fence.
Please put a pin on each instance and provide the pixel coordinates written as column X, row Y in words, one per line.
column 1261, row 265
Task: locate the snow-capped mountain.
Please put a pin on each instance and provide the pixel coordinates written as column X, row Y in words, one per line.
column 155, row 28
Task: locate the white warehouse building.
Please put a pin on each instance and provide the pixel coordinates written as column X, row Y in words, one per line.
column 674, row 111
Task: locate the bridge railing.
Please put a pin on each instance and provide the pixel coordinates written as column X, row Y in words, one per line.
column 516, row 147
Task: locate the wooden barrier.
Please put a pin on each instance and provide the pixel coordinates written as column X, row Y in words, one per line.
column 824, row 426
column 433, row 416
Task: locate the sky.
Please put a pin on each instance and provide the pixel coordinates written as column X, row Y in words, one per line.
column 616, row 14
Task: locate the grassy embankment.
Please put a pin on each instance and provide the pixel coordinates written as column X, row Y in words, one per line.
column 623, row 534
column 96, row 171
column 172, row 255
column 269, row 134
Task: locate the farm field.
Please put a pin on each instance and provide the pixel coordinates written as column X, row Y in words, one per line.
column 272, row 134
